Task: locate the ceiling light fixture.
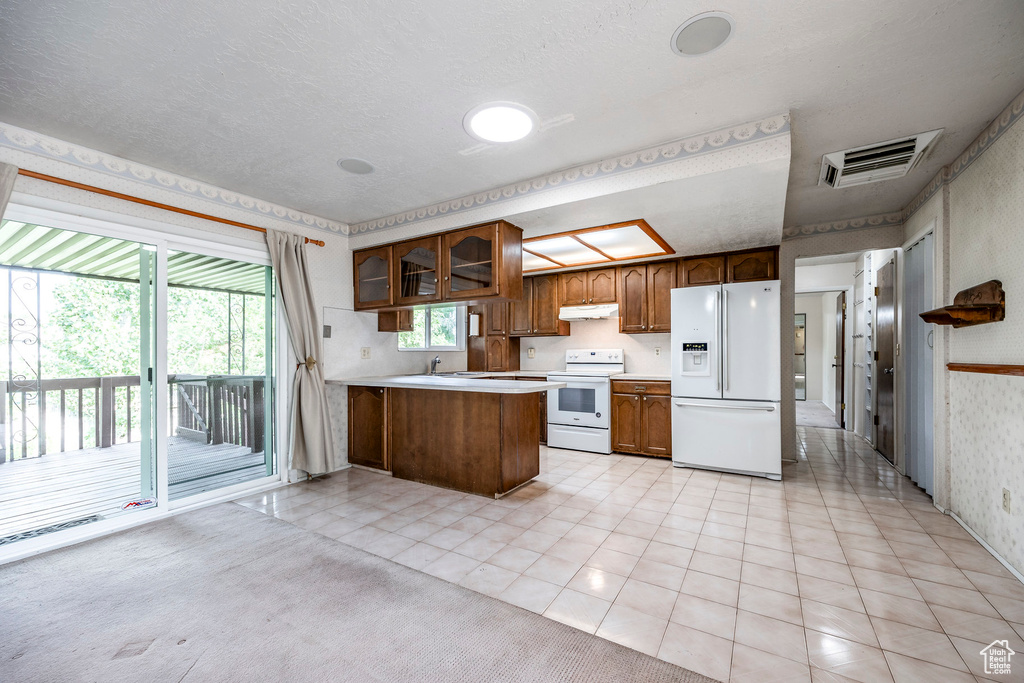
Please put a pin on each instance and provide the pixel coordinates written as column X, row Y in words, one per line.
column 499, row 122
column 357, row 166
column 702, row 34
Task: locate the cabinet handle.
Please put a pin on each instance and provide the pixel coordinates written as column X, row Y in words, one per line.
column 639, row 389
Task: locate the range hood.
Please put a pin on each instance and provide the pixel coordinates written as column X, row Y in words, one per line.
column 588, row 312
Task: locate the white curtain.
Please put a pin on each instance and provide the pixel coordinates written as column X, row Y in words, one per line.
column 312, row 445
column 8, row 174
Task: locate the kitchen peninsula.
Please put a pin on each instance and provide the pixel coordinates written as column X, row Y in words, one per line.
column 472, row 435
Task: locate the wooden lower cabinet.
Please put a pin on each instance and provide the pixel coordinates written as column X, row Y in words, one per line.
column 642, row 418
column 626, row 423
column 368, row 427
column 656, row 425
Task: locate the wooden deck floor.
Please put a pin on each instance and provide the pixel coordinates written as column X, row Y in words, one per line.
column 63, row 487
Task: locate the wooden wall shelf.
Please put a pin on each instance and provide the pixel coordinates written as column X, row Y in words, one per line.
column 987, row 368
column 984, row 303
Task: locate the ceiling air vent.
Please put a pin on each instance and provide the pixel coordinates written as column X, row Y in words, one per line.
column 869, row 164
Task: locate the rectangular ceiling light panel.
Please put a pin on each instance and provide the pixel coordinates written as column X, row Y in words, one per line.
column 565, row 250
column 623, row 243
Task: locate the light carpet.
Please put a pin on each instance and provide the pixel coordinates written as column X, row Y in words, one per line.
column 229, row 594
column 815, row 414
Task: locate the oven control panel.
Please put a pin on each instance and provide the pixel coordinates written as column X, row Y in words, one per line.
column 593, row 356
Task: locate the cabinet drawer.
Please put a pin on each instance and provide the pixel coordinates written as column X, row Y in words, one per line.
column 656, row 388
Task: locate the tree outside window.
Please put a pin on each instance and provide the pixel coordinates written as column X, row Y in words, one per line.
column 435, row 328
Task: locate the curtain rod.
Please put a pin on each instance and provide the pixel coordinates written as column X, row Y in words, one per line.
column 146, row 202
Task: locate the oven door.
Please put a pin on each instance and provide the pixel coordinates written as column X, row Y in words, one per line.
column 584, row 402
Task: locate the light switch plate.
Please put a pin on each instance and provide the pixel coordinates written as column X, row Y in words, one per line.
column 327, row 331
column 531, row 353
column 364, row 352
column 1006, row 500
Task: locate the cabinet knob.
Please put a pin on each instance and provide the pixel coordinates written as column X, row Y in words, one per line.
column 645, row 398
column 445, row 277
column 636, row 398
column 591, row 301
column 382, row 391
column 643, row 327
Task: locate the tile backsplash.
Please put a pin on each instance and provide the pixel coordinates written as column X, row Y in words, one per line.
column 599, row 334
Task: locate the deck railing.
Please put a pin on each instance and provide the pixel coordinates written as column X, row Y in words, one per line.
column 98, row 412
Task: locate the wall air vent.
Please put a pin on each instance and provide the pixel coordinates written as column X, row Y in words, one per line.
column 881, row 161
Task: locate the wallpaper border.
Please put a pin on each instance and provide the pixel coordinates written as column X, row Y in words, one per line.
column 25, row 140
column 632, row 162
column 861, row 223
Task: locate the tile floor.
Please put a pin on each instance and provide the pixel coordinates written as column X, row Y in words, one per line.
column 843, row 571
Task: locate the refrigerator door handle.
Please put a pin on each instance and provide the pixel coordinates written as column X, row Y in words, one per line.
column 718, row 316
column 683, row 404
column 725, row 339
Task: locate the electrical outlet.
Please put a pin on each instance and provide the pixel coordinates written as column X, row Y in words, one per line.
column 657, row 350
column 364, row 352
column 531, row 353
column 1006, row 501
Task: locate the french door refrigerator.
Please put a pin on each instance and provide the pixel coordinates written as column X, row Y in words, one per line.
column 726, row 389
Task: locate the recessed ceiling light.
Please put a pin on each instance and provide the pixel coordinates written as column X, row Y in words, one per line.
column 499, row 122
column 355, row 166
column 702, row 34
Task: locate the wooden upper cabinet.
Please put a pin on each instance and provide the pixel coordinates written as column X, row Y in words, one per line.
column 702, row 270
column 417, row 267
column 399, row 320
column 497, row 318
column 661, row 280
column 572, row 288
column 545, row 307
column 521, row 323
column 372, row 277
column 656, row 425
column 602, row 286
column 751, row 266
column 481, row 262
column 633, row 298
column 470, row 259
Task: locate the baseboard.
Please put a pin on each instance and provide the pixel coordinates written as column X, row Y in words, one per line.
column 986, row 546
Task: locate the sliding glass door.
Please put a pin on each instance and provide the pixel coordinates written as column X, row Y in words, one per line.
column 220, row 315
column 136, row 372
column 77, row 348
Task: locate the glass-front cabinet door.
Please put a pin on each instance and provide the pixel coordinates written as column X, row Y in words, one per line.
column 470, row 261
column 416, row 268
column 373, row 278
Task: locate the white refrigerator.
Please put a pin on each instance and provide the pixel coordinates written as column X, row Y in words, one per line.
column 726, row 383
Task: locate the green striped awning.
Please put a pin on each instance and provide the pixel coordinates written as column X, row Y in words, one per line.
column 38, row 247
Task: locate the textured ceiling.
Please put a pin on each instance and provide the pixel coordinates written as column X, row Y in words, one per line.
column 264, row 96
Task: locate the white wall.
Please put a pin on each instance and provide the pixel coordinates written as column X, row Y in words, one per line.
column 599, row 334
column 810, row 305
column 828, row 276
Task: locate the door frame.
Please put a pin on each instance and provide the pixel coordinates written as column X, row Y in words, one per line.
column 105, row 223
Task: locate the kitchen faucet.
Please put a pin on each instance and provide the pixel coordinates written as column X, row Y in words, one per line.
column 433, row 365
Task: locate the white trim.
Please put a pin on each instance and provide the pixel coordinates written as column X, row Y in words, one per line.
column 460, row 330
column 87, row 532
column 985, row 545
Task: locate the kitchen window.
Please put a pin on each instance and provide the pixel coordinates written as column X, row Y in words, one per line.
column 435, row 328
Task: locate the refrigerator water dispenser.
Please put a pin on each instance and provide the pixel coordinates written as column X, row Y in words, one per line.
column 695, row 360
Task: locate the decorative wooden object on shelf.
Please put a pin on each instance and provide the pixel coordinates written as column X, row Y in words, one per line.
column 984, row 303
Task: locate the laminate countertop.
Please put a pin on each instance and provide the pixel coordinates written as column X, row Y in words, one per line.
column 641, row 377
column 450, row 383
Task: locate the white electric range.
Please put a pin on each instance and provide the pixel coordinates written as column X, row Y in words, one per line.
column 579, row 415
